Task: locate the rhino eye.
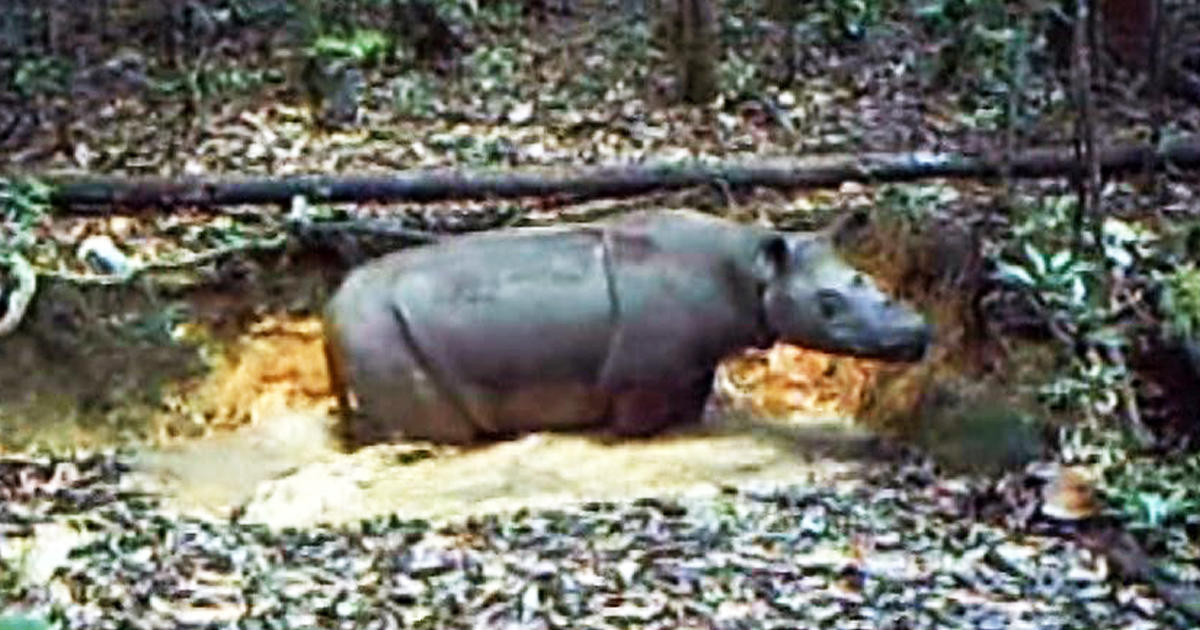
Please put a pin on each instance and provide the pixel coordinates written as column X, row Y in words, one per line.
column 830, row 302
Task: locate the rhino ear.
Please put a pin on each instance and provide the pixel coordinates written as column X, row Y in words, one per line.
column 773, row 257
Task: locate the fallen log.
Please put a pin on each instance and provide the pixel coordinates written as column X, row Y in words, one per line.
column 110, row 194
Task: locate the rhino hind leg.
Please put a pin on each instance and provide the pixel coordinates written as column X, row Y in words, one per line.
column 401, row 402
column 397, row 396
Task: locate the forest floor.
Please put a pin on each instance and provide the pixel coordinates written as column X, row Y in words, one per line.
column 808, row 521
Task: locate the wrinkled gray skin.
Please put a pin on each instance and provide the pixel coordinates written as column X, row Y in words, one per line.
column 616, row 324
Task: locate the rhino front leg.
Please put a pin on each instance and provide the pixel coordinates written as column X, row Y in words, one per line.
column 648, row 410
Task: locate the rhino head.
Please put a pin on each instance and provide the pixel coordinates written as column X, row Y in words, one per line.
column 813, row 299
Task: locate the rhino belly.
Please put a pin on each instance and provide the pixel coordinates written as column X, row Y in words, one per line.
column 517, row 328
column 542, row 406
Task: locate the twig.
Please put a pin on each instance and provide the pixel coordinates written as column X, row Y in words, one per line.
column 1158, row 104
column 20, row 298
column 1133, row 415
column 722, row 187
column 184, row 262
column 779, row 116
column 370, row 227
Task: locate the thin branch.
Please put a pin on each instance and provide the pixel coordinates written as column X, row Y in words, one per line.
column 183, row 262
column 1016, row 86
column 1079, row 79
column 1090, row 53
column 1158, row 103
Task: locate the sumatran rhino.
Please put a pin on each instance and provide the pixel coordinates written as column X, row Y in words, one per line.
column 617, row 324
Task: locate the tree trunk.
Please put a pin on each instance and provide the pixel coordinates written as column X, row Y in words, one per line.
column 698, row 50
column 1129, row 29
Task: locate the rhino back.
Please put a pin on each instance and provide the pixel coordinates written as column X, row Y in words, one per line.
column 510, row 309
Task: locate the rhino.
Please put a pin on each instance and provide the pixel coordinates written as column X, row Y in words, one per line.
column 616, row 325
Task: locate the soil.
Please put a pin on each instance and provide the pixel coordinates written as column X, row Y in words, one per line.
column 288, row 471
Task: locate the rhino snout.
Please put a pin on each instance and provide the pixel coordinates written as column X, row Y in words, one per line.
column 900, row 333
column 908, row 343
column 864, row 328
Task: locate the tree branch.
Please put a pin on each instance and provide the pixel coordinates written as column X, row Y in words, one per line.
column 107, row 194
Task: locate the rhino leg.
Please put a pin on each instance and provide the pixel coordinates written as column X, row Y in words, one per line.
column 397, row 397
column 405, row 403
column 648, row 410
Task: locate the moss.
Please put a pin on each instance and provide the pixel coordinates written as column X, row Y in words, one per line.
column 973, row 429
column 1181, row 300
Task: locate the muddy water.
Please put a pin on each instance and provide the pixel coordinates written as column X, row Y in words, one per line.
column 282, row 467
column 287, row 471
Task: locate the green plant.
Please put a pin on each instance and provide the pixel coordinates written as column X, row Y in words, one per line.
column 739, row 77
column 916, row 200
column 207, row 83
column 1155, row 496
column 976, row 40
column 505, row 14
column 24, row 205
column 494, row 67
column 1049, row 218
column 454, row 10
column 1181, row 300
column 1063, row 288
column 472, row 148
column 261, row 12
column 1090, row 386
column 240, row 80
column 1067, row 289
column 1123, row 244
column 413, row 95
column 42, row 77
column 1057, row 281
column 364, row 46
column 849, row 19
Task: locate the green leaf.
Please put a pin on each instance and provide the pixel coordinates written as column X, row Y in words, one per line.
column 21, row 622
column 1078, row 291
column 1109, row 336
column 1059, row 261
column 1036, row 257
column 1119, row 255
column 1014, row 274
column 1155, row 508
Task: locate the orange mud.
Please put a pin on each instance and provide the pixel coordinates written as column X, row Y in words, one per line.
column 276, row 366
column 279, row 365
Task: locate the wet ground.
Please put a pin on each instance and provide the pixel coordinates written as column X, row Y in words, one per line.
column 288, row 471
column 269, row 454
